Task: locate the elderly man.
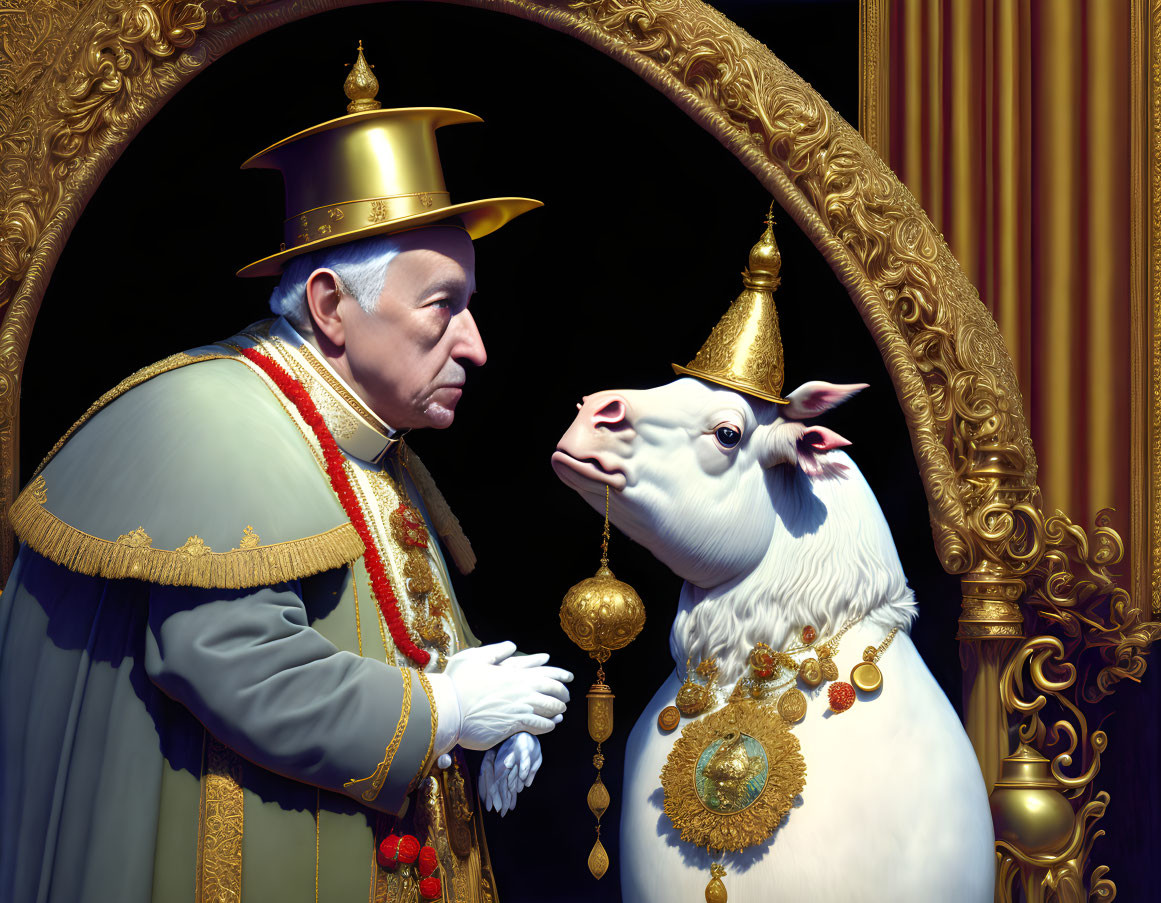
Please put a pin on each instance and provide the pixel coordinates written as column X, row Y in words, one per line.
column 231, row 663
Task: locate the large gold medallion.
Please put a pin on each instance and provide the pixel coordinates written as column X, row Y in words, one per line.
column 732, row 776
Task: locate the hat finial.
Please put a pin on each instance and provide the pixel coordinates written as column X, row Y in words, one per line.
column 361, row 86
column 765, row 260
column 744, row 351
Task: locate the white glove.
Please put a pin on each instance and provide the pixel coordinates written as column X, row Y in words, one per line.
column 504, row 773
column 485, row 695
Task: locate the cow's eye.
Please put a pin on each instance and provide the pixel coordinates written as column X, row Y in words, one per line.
column 728, row 436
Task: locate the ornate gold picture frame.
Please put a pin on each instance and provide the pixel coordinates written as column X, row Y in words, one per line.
column 79, row 80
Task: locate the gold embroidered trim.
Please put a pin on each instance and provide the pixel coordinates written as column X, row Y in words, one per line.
column 219, row 869
column 194, row 564
column 446, row 524
column 326, row 376
column 173, row 362
column 380, row 774
column 317, row 806
column 194, row 547
column 358, row 618
column 135, row 539
column 250, row 539
column 426, row 763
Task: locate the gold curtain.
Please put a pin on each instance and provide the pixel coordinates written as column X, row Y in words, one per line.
column 1010, row 121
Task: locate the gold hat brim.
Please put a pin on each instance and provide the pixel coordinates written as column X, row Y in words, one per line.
column 480, row 218
column 729, row 384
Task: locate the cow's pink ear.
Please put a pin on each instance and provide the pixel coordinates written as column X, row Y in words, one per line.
column 786, row 442
column 821, row 439
column 812, row 448
column 812, row 398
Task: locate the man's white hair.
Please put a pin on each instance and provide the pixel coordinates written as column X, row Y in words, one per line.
column 360, row 265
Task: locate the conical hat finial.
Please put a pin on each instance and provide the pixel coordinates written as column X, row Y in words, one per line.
column 361, row 86
column 744, row 351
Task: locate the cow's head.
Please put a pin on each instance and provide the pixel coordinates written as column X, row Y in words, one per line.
column 696, row 469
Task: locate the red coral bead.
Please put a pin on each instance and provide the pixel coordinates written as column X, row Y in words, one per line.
column 426, row 862
column 408, row 849
column 808, row 634
column 388, row 851
column 842, row 696
column 430, row 888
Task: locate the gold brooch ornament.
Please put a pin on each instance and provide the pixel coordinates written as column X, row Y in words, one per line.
column 430, row 604
column 668, row 718
column 732, row 776
column 601, row 614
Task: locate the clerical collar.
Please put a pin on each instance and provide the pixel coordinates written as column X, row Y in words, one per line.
column 358, row 430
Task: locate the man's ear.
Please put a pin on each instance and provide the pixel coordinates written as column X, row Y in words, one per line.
column 323, row 294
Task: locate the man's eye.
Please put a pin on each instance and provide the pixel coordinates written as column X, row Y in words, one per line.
column 728, row 436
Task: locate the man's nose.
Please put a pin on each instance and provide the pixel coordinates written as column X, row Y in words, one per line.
column 469, row 344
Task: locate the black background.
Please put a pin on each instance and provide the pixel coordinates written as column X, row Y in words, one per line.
column 636, row 254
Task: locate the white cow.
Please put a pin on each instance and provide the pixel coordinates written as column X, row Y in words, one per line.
column 772, row 529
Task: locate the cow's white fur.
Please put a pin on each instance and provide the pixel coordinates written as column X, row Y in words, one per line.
column 894, row 806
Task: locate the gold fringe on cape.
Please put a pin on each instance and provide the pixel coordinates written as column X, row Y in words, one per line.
column 236, row 569
column 193, row 565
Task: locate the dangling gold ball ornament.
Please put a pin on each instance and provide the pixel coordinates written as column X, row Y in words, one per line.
column 601, row 614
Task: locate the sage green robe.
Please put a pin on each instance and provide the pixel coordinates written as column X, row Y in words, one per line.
column 194, row 677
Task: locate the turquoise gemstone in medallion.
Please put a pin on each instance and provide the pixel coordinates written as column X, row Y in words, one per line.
column 731, row 773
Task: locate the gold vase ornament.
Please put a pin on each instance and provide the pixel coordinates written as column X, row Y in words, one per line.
column 601, row 614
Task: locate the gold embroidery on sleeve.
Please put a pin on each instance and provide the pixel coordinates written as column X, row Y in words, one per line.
column 426, row 763
column 250, row 539
column 380, row 774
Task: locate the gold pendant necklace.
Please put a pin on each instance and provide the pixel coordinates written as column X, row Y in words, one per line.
column 733, row 775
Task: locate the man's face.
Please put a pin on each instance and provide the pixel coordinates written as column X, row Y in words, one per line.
column 407, row 356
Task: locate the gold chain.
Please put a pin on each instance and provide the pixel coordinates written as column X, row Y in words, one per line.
column 605, row 532
column 882, row 647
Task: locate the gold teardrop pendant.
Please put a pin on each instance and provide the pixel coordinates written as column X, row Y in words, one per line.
column 715, row 891
column 599, row 861
column 598, row 798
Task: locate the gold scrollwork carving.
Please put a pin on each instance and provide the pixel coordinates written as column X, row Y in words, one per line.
column 946, row 358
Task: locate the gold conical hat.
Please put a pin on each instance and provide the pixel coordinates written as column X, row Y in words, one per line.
column 744, row 351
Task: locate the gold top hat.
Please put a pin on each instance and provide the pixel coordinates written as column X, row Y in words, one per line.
column 371, row 172
column 744, row 352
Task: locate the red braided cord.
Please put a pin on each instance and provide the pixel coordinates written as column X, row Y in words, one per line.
column 380, row 585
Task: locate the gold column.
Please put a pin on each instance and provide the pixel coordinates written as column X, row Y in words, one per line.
column 990, row 625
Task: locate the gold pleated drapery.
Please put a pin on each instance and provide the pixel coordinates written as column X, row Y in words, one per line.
column 1012, row 123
